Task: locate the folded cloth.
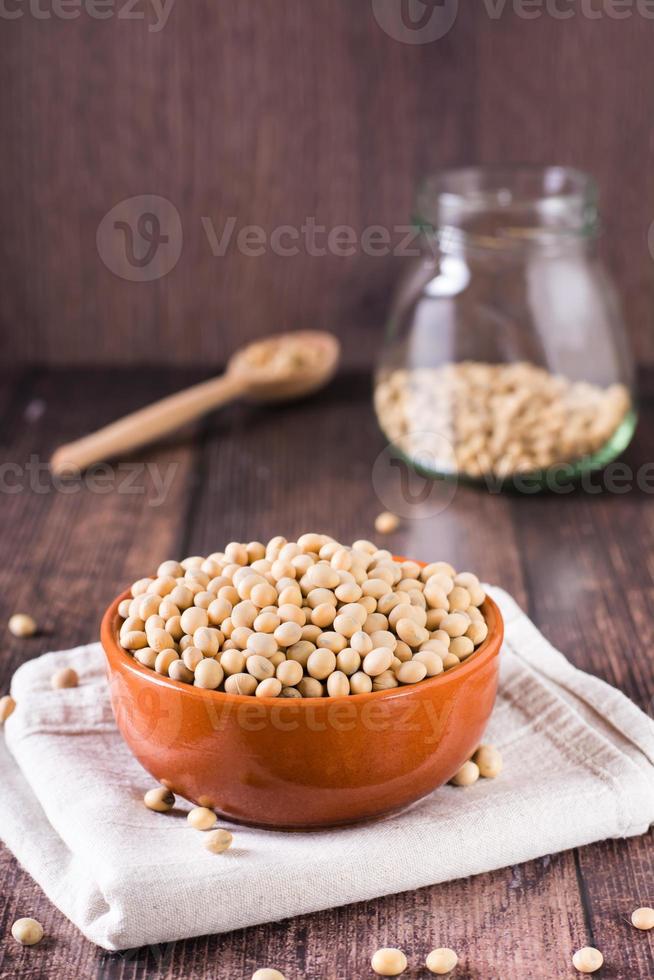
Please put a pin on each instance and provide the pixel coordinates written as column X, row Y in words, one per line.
column 578, row 767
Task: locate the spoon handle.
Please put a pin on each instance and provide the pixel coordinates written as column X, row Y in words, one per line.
column 148, row 424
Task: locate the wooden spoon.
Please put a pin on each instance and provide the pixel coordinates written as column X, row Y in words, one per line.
column 282, row 367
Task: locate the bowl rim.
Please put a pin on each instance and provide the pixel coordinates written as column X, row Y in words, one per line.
column 118, row 657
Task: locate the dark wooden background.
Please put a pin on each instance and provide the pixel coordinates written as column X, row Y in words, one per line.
column 271, row 111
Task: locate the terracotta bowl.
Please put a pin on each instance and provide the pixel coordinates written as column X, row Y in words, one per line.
column 315, row 762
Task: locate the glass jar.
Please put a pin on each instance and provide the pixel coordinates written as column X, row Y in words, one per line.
column 506, row 352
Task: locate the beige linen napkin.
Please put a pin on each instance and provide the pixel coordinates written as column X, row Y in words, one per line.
column 579, row 767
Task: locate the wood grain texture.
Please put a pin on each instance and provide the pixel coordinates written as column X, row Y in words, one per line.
column 268, row 112
column 550, row 92
column 272, row 111
column 246, row 473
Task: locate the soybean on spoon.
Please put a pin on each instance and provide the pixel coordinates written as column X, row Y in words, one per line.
column 279, row 368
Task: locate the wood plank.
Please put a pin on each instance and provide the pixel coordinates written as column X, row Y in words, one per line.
column 617, row 878
column 58, row 539
column 592, row 593
column 587, row 560
column 64, row 557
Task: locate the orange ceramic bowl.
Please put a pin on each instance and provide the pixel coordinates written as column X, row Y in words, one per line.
column 315, row 762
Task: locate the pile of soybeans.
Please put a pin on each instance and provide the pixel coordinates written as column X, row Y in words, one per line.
column 481, row 419
column 307, row 618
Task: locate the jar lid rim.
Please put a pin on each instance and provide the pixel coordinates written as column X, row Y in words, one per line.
column 558, row 199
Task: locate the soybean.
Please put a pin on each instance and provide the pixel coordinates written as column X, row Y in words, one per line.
column 441, row 961
column 201, row 818
column 7, row 708
column 467, row 774
column 304, row 618
column 209, row 675
column 27, row 932
column 587, row 960
column 488, row 760
column 66, row 677
column 643, row 918
column 386, row 522
column 22, row 625
column 389, row 962
column 159, row 799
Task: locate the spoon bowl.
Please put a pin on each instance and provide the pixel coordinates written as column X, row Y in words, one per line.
column 287, row 365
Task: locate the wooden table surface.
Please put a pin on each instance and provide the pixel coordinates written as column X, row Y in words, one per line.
column 580, row 563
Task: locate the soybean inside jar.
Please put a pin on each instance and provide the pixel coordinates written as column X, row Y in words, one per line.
column 506, row 353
